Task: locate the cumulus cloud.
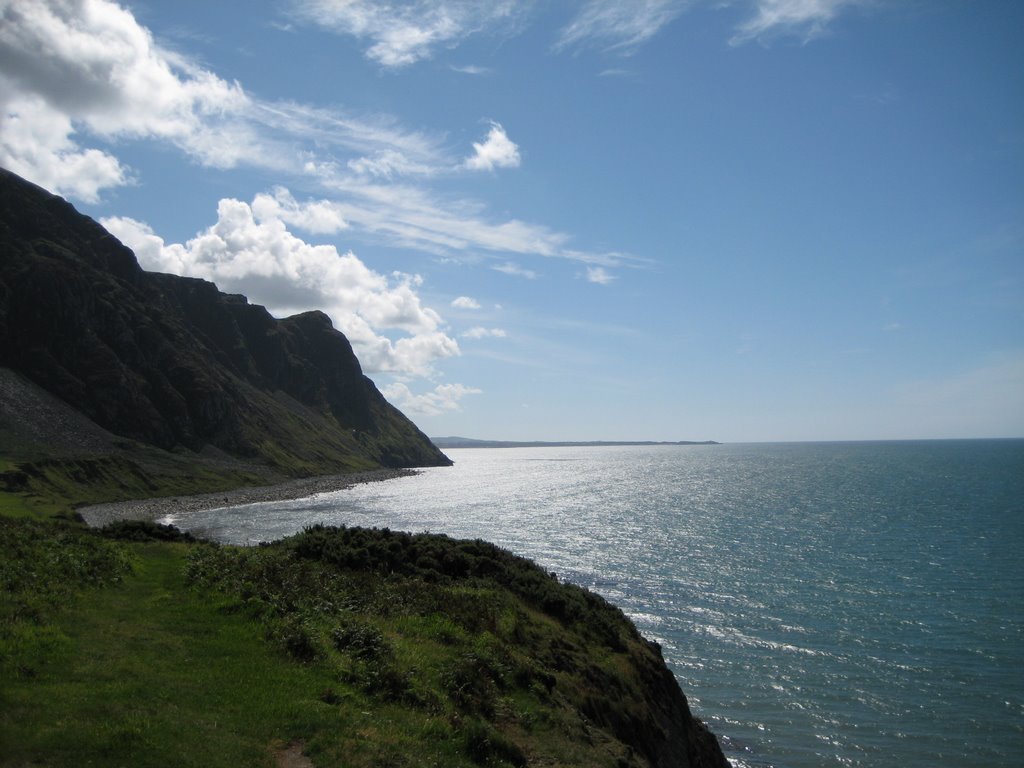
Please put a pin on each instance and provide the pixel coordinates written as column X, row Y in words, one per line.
column 807, row 18
column 404, row 33
column 618, row 25
column 74, row 72
column 35, row 142
column 444, row 397
column 482, row 333
column 250, row 250
column 86, row 65
column 465, row 302
column 496, row 151
column 319, row 217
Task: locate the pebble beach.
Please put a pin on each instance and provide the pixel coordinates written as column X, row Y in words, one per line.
column 98, row 515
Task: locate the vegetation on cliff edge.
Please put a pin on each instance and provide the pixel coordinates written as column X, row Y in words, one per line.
column 135, row 645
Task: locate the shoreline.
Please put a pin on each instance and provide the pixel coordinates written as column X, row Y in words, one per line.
column 98, row 515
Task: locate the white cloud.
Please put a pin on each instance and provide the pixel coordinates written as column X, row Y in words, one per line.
column 75, row 71
column 618, row 25
column 72, row 71
column 624, row 25
column 599, row 275
column 251, row 251
column 319, row 217
column 411, row 217
column 35, row 143
column 511, row 268
column 387, row 163
column 483, row 333
column 379, row 139
column 471, row 69
column 444, row 397
column 465, row 302
column 404, row 33
column 496, row 151
column 86, row 65
column 808, row 18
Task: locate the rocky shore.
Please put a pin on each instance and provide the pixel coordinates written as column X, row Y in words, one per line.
column 98, row 515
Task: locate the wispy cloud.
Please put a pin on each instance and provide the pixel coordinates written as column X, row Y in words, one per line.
column 511, row 268
column 599, row 275
column 400, row 34
column 471, row 69
column 806, row 18
column 373, row 138
column 618, row 25
column 479, row 332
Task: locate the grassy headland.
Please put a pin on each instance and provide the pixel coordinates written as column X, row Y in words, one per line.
column 133, row 645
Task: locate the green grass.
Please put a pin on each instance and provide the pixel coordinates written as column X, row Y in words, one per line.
column 18, row 506
column 147, row 672
column 370, row 648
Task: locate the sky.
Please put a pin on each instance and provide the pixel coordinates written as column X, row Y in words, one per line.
column 733, row 220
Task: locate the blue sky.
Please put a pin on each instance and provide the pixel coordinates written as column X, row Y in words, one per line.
column 642, row 219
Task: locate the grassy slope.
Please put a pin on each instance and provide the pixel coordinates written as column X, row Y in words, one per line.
column 149, row 673
column 162, row 653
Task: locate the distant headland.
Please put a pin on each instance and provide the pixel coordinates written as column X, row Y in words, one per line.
column 468, row 442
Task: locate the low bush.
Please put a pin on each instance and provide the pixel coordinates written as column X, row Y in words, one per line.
column 144, row 530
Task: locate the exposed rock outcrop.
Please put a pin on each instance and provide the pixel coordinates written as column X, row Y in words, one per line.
column 172, row 362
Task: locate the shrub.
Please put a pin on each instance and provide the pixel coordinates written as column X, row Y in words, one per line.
column 363, row 642
column 484, row 745
column 144, row 530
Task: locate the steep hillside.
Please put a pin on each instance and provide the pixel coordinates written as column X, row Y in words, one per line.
column 170, row 363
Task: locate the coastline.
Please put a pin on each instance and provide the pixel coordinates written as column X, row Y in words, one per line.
column 98, row 515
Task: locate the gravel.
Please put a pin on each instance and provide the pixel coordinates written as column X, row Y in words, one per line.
column 98, row 515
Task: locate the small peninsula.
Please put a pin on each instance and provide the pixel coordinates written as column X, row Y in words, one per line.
column 468, row 442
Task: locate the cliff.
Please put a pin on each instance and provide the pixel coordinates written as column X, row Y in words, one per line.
column 171, row 363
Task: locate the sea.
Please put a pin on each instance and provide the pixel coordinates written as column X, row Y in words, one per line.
column 822, row 604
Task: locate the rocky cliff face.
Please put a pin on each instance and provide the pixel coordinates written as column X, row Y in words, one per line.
column 172, row 362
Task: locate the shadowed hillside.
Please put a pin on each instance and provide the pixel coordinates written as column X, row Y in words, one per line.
column 146, row 362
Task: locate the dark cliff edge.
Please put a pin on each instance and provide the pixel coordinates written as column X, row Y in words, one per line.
column 172, row 364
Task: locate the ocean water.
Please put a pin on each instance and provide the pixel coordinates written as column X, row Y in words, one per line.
column 829, row 604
